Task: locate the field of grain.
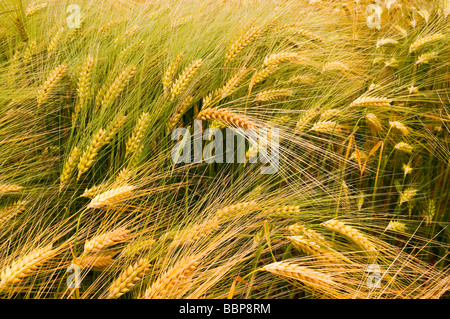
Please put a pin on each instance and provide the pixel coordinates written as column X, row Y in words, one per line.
column 99, row 198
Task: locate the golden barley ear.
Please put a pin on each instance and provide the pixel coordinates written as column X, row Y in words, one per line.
column 129, row 278
column 111, row 197
column 226, row 116
column 100, row 242
column 242, row 42
column 174, row 281
column 183, row 80
column 25, row 266
column 53, row 78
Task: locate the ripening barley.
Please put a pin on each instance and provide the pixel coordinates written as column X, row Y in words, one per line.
column 373, row 122
column 403, row 147
column 69, row 166
column 181, row 83
column 25, row 266
column 407, row 169
column 427, row 57
column 94, row 261
column 281, row 57
column 371, row 101
column 9, row 188
column 111, row 197
column 54, row 42
column 226, row 116
column 176, row 116
column 273, row 95
column 172, row 283
column 9, row 212
column 138, row 133
column 105, row 240
column 88, row 156
column 84, row 82
column 407, row 195
column 427, row 39
column 386, row 41
column 399, row 126
column 326, row 127
column 34, row 8
column 53, row 78
column 117, row 87
column 242, row 42
column 168, row 77
column 128, row 278
column 306, row 275
column 396, row 226
column 351, row 233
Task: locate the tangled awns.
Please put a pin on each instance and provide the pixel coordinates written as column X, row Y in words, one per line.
column 92, row 204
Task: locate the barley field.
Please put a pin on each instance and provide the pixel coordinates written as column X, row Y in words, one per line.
column 346, row 196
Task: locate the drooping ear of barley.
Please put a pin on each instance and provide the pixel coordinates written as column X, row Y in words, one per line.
column 69, row 166
column 373, row 122
column 167, row 79
column 25, row 266
column 307, row 34
column 84, row 81
column 403, row 147
column 111, row 197
column 53, row 78
column 305, row 119
column 228, row 212
column 306, row 275
column 371, row 101
column 94, row 261
column 226, row 90
column 114, row 128
column 29, row 52
column 94, row 190
column 136, row 137
column 335, row 66
column 9, row 212
column 327, row 127
column 196, row 232
column 287, row 210
column 105, row 240
column 188, row 73
column 226, row 116
column 424, row 40
column 171, row 283
column 242, row 42
column 281, row 57
column 88, row 156
column 273, row 95
column 407, row 195
column 128, row 278
column 54, row 42
column 386, row 41
column 427, row 57
column 264, row 73
column 399, row 126
column 137, row 246
column 113, row 91
column 351, row 233
column 176, row 116
column 9, row 188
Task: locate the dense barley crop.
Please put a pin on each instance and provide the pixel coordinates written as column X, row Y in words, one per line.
column 95, row 180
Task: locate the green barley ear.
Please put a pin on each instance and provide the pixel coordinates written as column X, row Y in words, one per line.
column 136, row 137
column 54, row 42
